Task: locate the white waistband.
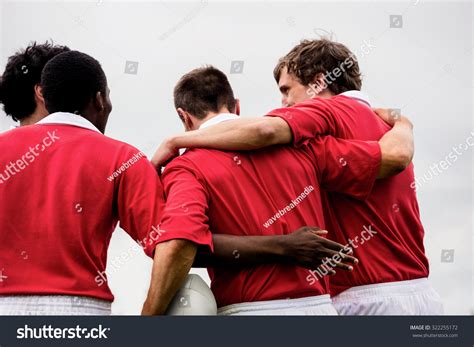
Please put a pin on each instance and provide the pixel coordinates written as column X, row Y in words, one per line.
column 385, row 289
column 276, row 304
column 53, row 305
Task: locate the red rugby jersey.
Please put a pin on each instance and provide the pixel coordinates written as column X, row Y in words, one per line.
column 396, row 251
column 268, row 192
column 63, row 188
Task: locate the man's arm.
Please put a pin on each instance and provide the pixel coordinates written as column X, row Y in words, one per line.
column 397, row 145
column 397, row 148
column 140, row 200
column 315, row 117
column 172, row 262
column 305, row 247
column 183, row 227
column 239, row 134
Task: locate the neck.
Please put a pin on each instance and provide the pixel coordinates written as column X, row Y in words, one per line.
column 326, row 94
column 95, row 121
column 34, row 118
column 210, row 115
column 97, row 118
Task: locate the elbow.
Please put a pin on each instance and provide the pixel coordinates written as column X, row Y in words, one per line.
column 403, row 158
column 267, row 134
column 407, row 122
column 183, row 250
column 394, row 161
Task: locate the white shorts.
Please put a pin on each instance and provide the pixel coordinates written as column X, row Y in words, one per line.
column 404, row 298
column 311, row 306
column 53, row 305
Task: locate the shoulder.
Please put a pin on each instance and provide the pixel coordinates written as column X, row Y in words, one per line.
column 103, row 143
column 189, row 160
column 197, row 162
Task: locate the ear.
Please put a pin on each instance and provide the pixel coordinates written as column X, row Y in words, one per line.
column 39, row 94
column 180, row 112
column 237, row 107
column 319, row 83
column 99, row 102
column 185, row 118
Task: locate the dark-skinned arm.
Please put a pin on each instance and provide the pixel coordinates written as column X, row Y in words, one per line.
column 305, row 248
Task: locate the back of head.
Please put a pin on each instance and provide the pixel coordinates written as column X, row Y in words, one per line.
column 312, row 57
column 70, row 81
column 22, row 73
column 204, row 90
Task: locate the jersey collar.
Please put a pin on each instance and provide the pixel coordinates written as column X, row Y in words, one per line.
column 219, row 119
column 68, row 119
column 358, row 95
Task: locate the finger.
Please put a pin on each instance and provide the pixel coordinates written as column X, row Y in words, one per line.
column 349, row 258
column 344, row 266
column 312, row 228
column 347, row 250
column 331, row 244
column 155, row 162
column 157, row 159
column 333, row 255
column 319, row 232
column 379, row 111
column 382, row 112
column 389, row 116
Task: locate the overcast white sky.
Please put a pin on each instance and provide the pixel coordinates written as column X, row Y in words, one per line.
column 424, row 68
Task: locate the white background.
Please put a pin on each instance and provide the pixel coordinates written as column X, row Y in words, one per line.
column 424, row 68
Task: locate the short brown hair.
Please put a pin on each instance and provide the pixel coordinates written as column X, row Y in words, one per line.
column 311, row 57
column 204, row 90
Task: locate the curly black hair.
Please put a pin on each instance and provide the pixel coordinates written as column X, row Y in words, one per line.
column 70, row 81
column 22, row 74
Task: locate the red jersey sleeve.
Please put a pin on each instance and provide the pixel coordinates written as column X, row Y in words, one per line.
column 187, row 201
column 347, row 166
column 140, row 199
column 308, row 119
